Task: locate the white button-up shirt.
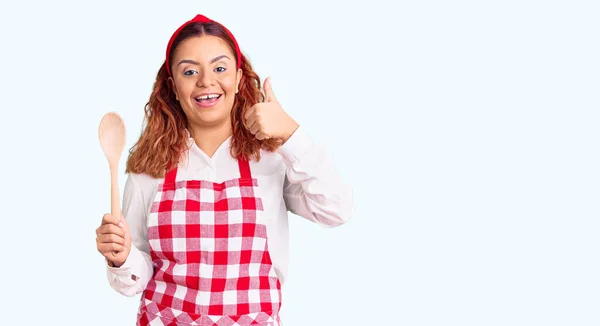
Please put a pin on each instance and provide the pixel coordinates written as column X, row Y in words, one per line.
column 299, row 177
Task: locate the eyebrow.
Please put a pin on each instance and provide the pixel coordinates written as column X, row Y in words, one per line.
column 211, row 61
column 219, row 58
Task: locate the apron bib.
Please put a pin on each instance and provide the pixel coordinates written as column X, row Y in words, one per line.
column 212, row 263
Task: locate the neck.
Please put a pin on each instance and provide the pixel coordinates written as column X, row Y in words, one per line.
column 209, row 138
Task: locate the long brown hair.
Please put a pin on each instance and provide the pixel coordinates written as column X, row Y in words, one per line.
column 164, row 138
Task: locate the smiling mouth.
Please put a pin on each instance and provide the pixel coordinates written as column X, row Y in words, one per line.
column 207, row 100
column 207, row 97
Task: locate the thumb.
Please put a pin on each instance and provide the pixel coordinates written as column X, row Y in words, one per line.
column 123, row 223
column 269, row 94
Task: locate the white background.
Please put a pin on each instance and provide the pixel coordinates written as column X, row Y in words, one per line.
column 468, row 129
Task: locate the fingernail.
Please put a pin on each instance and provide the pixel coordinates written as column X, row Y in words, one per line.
column 121, row 224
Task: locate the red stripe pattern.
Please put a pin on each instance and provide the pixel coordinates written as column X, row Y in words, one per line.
column 211, row 258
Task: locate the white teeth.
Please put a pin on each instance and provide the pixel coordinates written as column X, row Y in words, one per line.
column 206, row 97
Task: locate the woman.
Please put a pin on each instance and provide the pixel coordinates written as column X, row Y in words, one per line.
column 204, row 234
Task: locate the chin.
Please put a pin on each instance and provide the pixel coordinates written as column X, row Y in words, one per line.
column 217, row 114
column 213, row 117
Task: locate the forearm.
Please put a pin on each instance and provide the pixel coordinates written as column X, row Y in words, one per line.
column 314, row 189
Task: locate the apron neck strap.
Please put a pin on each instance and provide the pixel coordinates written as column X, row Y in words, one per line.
column 171, row 175
column 244, row 169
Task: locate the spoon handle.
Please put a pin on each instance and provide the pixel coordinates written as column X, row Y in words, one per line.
column 115, row 198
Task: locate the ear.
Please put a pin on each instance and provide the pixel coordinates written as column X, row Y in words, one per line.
column 174, row 88
column 239, row 74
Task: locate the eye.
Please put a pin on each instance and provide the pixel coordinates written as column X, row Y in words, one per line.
column 190, row 72
column 220, row 69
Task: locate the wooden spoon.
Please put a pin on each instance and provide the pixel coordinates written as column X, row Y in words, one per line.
column 112, row 140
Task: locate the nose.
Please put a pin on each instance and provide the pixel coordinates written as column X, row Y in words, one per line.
column 206, row 79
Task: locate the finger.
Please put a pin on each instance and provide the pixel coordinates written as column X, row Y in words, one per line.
column 262, row 135
column 251, row 121
column 250, row 112
column 269, row 94
column 255, row 128
column 111, row 229
column 110, row 256
column 111, row 238
column 105, row 248
column 109, row 219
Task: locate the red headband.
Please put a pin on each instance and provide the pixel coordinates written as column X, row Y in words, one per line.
column 202, row 19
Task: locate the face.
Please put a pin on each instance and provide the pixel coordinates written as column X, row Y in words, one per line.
column 205, row 80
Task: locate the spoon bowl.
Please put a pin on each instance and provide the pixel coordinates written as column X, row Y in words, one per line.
column 111, row 134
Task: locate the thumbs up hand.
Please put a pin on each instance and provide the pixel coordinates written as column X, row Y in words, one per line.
column 268, row 119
